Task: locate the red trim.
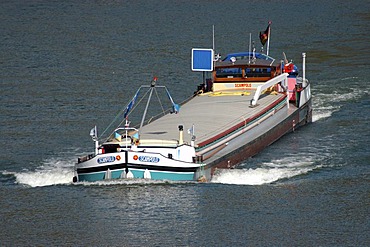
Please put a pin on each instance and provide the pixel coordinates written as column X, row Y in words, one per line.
column 241, row 124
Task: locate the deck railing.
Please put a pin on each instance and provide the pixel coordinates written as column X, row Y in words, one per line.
column 280, row 78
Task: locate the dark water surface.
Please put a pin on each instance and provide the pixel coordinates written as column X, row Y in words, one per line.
column 69, row 65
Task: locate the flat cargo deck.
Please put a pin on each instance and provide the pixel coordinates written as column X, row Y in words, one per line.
column 210, row 114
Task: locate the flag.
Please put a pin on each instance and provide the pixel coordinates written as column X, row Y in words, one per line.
column 130, row 105
column 191, row 130
column 117, row 136
column 136, row 135
column 94, row 133
column 264, row 35
column 175, row 107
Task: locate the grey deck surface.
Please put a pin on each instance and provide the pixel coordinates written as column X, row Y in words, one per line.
column 209, row 114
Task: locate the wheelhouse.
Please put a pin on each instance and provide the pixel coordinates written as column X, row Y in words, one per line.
column 245, row 70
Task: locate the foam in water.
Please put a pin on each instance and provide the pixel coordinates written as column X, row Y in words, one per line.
column 321, row 108
column 51, row 172
column 317, row 115
column 267, row 173
column 326, row 104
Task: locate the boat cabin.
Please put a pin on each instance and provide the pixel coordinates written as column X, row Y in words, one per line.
column 243, row 71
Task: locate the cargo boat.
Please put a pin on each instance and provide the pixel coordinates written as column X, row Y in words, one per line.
column 250, row 101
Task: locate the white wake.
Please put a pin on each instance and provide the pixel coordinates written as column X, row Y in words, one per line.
column 325, row 104
column 52, row 172
column 265, row 174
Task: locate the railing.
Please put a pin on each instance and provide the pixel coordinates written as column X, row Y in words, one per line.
column 85, row 158
column 280, row 78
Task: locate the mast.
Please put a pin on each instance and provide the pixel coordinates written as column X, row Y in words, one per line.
column 268, row 39
column 94, row 136
column 213, row 29
column 152, row 87
column 250, row 43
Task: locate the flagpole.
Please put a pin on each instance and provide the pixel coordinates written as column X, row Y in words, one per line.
column 268, row 39
column 94, row 135
column 213, row 37
column 214, row 48
column 250, row 41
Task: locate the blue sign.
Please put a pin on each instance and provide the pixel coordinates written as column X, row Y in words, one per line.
column 107, row 159
column 151, row 159
column 202, row 59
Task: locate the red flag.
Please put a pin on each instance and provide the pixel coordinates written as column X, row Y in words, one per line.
column 264, row 36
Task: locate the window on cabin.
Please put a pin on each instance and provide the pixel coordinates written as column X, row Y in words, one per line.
column 228, row 72
column 258, row 72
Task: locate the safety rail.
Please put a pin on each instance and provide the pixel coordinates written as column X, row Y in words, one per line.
column 85, row 158
column 280, row 78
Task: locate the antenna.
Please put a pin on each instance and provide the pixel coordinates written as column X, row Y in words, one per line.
column 213, row 30
column 250, row 43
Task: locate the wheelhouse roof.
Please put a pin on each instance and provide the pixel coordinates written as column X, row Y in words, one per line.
column 246, row 59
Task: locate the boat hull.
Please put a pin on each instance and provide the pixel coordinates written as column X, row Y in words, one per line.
column 251, row 147
column 139, row 165
column 137, row 174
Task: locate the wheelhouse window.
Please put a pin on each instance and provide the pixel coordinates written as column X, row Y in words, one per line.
column 258, row 72
column 228, row 72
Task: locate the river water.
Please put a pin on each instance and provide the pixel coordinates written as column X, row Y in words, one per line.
column 69, row 65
